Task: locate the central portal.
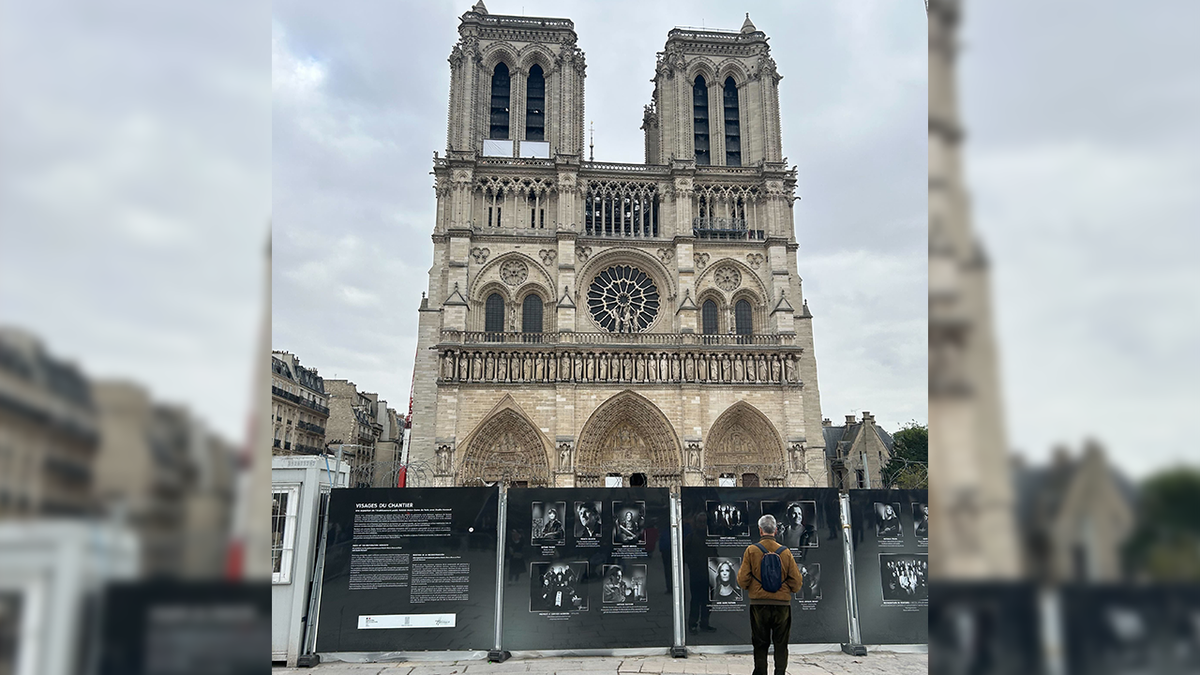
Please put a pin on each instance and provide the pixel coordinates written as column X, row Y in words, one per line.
column 628, row 438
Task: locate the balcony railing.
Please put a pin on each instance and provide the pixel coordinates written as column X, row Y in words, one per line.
column 309, row 426
column 624, row 339
column 309, row 450
column 724, row 228
column 295, row 398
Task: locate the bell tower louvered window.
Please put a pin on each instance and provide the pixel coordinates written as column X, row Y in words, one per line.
column 708, row 312
column 535, row 105
column 531, row 314
column 500, row 94
column 493, row 314
column 700, row 120
column 743, row 317
column 733, row 132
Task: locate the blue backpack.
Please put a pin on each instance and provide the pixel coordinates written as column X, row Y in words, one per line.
column 771, row 570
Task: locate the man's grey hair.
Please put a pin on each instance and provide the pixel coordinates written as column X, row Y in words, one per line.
column 766, row 524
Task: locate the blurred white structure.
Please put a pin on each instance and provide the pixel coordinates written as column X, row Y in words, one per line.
column 297, row 484
column 52, row 572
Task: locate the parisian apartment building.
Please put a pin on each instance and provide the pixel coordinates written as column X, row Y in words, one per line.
column 299, row 407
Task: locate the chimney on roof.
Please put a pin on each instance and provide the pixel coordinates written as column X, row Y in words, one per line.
column 850, row 419
column 868, row 417
column 1061, row 456
column 826, row 422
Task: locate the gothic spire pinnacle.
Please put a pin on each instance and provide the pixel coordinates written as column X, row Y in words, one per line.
column 479, row 8
column 748, row 26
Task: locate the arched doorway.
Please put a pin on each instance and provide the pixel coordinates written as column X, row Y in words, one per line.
column 743, row 445
column 628, row 435
column 507, row 447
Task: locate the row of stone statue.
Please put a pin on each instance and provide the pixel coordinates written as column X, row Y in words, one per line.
column 459, row 365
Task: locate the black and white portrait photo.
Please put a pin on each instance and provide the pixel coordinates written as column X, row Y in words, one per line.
column 887, row 520
column 629, row 522
column 811, row 588
column 905, row 577
column 587, row 520
column 797, row 524
column 727, row 519
column 722, row 580
column 920, row 521
column 623, row 583
column 547, row 528
column 558, row 586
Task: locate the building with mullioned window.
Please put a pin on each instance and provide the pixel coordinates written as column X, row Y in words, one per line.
column 594, row 323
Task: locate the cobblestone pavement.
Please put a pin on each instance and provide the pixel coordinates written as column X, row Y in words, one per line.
column 828, row 663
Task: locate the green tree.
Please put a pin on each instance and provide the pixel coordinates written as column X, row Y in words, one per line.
column 1165, row 545
column 909, row 465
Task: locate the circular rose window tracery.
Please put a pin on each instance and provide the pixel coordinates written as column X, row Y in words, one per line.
column 623, row 299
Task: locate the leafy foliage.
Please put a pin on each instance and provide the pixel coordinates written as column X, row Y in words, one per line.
column 1165, row 545
column 909, row 465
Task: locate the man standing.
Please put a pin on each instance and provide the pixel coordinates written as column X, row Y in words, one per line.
column 770, row 613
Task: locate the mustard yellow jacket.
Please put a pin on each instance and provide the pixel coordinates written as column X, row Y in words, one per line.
column 752, row 559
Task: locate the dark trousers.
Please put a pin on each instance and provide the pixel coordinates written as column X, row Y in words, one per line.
column 770, row 624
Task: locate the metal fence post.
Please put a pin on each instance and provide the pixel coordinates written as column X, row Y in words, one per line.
column 1053, row 645
column 855, row 646
column 678, row 650
column 498, row 655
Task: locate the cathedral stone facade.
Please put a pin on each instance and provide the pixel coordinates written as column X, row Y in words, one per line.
column 592, row 323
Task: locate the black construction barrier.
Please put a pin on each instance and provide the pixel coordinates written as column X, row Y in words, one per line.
column 1113, row 629
column 718, row 525
column 185, row 628
column 891, row 563
column 984, row 629
column 409, row 569
column 587, row 568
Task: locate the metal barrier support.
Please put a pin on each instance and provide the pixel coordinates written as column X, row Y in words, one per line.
column 499, row 655
column 855, row 646
column 678, row 650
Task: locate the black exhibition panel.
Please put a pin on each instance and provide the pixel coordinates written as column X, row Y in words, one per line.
column 187, row 628
column 587, row 568
column 890, row 531
column 1123, row 628
column 984, row 628
column 718, row 525
column 409, row 569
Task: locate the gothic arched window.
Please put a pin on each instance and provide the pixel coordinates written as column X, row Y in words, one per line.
column 743, row 317
column 700, row 119
column 493, row 314
column 500, row 90
column 708, row 312
column 733, row 132
column 535, row 105
column 531, row 314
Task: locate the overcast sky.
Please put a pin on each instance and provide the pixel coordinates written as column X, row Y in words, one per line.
column 360, row 98
column 1083, row 158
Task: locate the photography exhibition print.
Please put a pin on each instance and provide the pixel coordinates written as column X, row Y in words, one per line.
column 718, row 525
column 891, row 565
column 605, row 583
column 410, row 569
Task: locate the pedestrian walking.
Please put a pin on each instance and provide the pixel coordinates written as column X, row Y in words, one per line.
column 770, row 574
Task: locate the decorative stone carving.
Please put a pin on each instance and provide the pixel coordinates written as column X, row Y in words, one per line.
column 582, row 253
column 480, row 254
column 727, row 277
column 797, row 452
column 666, row 255
column 693, row 455
column 564, row 457
column 755, row 259
column 445, row 460
column 623, row 299
column 513, row 272
column 548, row 255
column 701, row 260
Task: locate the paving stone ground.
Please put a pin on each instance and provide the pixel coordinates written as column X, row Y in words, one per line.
column 826, row 663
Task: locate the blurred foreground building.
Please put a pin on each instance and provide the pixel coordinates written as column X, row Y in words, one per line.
column 971, row 502
column 48, row 432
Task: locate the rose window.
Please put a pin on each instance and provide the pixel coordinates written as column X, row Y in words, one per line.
column 622, row 299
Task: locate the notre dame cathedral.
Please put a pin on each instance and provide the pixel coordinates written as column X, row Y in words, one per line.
column 592, row 323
